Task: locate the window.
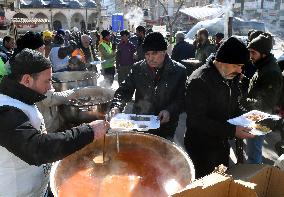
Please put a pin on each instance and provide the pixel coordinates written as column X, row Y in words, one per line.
column 197, row 3
column 281, row 23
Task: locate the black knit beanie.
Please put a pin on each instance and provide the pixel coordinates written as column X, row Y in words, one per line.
column 232, row 51
column 105, row 33
column 154, row 41
column 29, row 61
column 262, row 43
column 30, row 40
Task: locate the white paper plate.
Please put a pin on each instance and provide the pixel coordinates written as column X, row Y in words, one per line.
column 244, row 121
column 125, row 122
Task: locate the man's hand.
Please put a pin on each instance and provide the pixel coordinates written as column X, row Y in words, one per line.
column 113, row 112
column 242, row 132
column 164, row 116
column 100, row 128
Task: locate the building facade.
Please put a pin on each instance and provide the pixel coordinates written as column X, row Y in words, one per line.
column 63, row 14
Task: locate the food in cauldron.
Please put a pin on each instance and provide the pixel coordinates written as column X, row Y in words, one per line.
column 128, row 173
column 88, row 100
column 146, row 165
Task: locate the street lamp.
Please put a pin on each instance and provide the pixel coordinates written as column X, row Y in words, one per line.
column 86, row 6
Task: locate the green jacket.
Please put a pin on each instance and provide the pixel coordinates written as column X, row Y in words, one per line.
column 107, row 54
column 3, row 70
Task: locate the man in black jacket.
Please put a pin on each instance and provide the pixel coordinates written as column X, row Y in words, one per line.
column 25, row 147
column 264, row 88
column 182, row 50
column 212, row 96
column 159, row 85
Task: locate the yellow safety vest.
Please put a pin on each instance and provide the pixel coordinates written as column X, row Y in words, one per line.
column 108, row 62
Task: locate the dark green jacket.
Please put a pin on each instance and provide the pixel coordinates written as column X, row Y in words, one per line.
column 204, row 51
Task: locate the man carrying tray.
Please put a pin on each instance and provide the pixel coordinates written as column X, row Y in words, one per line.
column 159, row 86
column 264, row 88
column 212, row 97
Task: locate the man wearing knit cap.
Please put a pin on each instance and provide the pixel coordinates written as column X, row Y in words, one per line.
column 211, row 99
column 159, row 85
column 48, row 106
column 249, row 68
column 264, row 89
column 107, row 54
column 25, row 147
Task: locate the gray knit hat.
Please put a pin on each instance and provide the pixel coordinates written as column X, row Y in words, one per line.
column 262, row 43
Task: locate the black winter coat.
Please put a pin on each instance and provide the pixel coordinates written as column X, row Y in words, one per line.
column 165, row 91
column 265, row 86
column 210, row 101
column 19, row 137
column 183, row 50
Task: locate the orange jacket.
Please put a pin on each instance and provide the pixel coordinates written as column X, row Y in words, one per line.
column 79, row 52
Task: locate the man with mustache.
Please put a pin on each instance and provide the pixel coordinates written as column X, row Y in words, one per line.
column 212, row 97
column 159, row 85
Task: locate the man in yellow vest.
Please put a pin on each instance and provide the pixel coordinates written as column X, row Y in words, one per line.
column 108, row 56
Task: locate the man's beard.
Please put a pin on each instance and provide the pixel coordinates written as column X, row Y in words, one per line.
column 47, row 42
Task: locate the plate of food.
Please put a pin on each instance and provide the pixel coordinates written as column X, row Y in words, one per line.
column 251, row 120
column 128, row 122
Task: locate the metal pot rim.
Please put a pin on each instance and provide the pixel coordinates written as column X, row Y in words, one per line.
column 84, row 105
column 95, row 76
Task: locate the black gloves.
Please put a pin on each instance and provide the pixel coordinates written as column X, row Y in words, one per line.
column 273, row 124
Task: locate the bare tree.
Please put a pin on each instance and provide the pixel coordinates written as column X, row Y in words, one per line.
column 171, row 21
column 99, row 16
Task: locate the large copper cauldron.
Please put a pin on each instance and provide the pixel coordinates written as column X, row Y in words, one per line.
column 146, row 165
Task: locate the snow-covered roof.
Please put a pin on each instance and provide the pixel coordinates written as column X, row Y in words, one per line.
column 90, row 4
column 75, row 4
column 23, row 3
column 203, row 13
column 57, row 3
column 37, row 3
column 240, row 27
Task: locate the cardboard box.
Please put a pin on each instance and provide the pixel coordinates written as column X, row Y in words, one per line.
column 245, row 180
column 269, row 180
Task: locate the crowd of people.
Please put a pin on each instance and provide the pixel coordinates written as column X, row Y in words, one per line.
column 233, row 78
